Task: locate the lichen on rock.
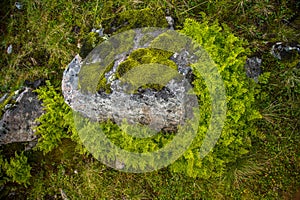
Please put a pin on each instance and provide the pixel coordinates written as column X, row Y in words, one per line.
column 17, row 123
column 105, row 69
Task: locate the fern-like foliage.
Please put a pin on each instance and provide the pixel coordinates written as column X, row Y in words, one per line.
column 229, row 55
column 17, row 169
column 57, row 121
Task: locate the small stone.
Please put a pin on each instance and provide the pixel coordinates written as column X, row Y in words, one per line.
column 170, row 21
column 252, row 67
column 19, row 5
column 9, row 49
column 284, row 51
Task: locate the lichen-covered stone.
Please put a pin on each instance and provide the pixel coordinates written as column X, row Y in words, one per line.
column 17, row 123
column 162, row 108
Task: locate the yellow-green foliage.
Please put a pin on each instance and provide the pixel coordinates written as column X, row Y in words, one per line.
column 17, row 169
column 57, row 122
column 146, row 56
column 229, row 55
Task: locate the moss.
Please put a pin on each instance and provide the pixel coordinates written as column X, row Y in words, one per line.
column 120, row 43
column 135, row 19
column 145, row 39
column 165, row 41
column 89, row 79
column 103, row 85
column 92, row 75
column 89, row 42
column 146, row 56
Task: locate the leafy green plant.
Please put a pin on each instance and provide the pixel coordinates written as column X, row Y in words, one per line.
column 229, row 55
column 17, row 169
column 57, row 122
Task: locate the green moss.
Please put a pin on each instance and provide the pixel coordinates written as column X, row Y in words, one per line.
column 146, row 56
column 135, row 19
column 103, row 85
column 89, row 43
column 89, row 79
column 166, row 41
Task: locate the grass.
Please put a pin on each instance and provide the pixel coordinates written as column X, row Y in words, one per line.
column 45, row 36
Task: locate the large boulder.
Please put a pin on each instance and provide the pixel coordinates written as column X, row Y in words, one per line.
column 162, row 109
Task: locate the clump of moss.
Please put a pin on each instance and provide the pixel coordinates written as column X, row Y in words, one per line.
column 144, row 56
column 91, row 72
column 135, row 19
column 89, row 43
column 103, row 86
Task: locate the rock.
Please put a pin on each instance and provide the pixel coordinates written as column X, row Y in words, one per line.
column 35, row 84
column 160, row 110
column 17, row 123
column 284, row 51
column 170, row 21
column 252, row 67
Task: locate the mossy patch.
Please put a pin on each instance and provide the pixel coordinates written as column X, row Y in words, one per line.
column 89, row 42
column 145, row 56
column 135, row 19
column 90, row 80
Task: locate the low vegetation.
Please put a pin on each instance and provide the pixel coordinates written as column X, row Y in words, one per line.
column 258, row 153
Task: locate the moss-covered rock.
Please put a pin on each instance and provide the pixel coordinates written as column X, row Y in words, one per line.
column 146, row 56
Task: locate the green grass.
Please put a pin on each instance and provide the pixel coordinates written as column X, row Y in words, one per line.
column 45, row 36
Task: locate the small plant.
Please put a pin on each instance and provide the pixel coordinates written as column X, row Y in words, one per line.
column 57, row 123
column 17, row 169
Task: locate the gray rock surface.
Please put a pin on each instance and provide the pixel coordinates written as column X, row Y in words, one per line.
column 160, row 110
column 283, row 51
column 252, row 68
column 18, row 121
